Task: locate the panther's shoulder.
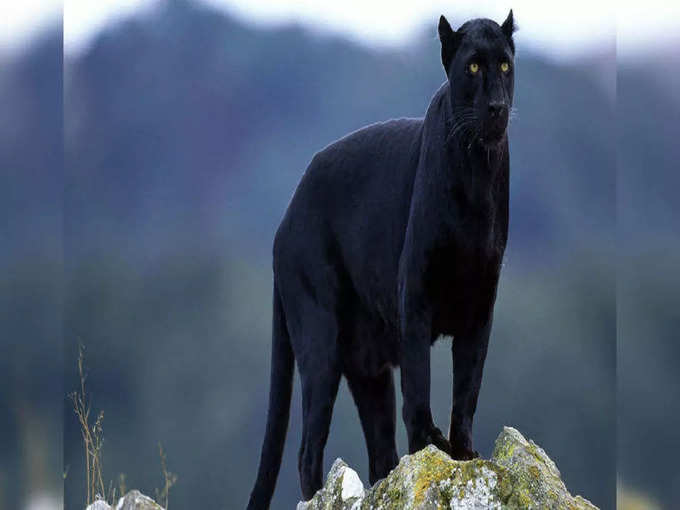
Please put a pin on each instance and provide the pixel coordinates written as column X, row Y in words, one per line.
column 386, row 127
column 393, row 131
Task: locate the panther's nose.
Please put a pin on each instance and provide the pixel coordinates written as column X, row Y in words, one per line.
column 498, row 110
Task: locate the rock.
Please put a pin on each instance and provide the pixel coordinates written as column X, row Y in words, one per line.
column 535, row 478
column 519, row 475
column 343, row 487
column 133, row 500
column 99, row 504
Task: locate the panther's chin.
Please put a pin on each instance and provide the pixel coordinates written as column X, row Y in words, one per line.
column 492, row 140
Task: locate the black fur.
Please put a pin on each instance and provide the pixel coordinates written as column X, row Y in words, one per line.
column 394, row 237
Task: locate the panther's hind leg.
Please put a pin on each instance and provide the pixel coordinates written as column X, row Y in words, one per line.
column 375, row 400
column 320, row 376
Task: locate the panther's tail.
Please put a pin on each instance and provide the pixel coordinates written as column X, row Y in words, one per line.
column 281, row 387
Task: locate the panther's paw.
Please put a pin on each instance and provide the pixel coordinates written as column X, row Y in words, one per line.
column 438, row 439
column 463, row 453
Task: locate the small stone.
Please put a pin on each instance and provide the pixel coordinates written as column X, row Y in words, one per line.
column 135, row 500
column 99, row 504
column 351, row 484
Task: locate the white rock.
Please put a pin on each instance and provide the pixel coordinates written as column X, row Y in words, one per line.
column 135, row 500
column 351, row 484
column 99, row 504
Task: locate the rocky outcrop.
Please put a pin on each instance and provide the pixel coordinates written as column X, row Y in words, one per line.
column 519, row 476
column 133, row 500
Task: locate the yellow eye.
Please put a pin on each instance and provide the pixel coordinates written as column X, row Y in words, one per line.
column 505, row 67
column 474, row 67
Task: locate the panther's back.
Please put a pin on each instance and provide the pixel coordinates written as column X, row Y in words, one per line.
column 351, row 207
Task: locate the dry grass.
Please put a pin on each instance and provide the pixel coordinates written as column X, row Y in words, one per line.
column 93, row 435
column 93, row 440
column 169, row 479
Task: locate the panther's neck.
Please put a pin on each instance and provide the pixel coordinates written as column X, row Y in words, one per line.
column 480, row 171
column 458, row 161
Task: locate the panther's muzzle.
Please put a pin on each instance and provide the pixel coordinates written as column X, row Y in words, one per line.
column 496, row 123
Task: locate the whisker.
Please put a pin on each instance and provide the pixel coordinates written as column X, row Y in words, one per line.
column 464, row 120
column 463, row 126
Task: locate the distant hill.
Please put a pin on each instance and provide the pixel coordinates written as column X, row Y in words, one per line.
column 196, row 120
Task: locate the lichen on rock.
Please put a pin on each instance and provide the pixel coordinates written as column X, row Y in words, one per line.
column 520, row 475
column 535, row 479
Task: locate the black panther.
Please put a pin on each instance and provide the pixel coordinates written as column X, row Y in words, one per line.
column 393, row 238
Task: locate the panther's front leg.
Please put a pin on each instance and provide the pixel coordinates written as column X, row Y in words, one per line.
column 415, row 342
column 469, row 353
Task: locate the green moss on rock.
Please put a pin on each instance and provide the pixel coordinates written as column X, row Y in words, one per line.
column 536, row 481
column 520, row 475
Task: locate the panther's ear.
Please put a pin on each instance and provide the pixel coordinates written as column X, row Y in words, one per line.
column 450, row 40
column 508, row 28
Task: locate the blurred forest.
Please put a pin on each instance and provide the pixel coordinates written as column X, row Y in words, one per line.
column 31, row 290
column 185, row 134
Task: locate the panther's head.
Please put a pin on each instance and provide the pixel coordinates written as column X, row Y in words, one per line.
column 479, row 63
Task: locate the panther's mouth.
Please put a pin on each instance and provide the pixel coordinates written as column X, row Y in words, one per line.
column 493, row 137
column 495, row 126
